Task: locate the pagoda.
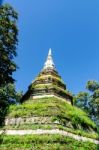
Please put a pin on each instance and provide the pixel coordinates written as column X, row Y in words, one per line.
column 48, row 84
column 46, row 120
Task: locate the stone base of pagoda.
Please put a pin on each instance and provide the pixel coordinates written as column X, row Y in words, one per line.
column 47, row 96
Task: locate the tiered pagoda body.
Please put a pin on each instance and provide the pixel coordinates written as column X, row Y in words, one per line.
column 48, row 83
column 46, row 120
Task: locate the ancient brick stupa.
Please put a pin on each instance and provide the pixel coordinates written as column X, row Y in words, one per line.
column 48, row 83
column 45, row 120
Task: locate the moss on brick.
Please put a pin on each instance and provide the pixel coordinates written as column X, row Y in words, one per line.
column 44, row 142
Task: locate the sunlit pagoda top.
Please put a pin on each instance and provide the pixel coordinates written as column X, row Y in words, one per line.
column 48, row 83
column 49, row 64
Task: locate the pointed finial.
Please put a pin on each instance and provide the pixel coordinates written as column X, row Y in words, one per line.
column 49, row 64
column 50, row 52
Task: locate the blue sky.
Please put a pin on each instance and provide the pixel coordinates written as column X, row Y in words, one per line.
column 70, row 28
column 1, row 1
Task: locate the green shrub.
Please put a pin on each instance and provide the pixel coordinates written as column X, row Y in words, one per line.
column 44, row 142
column 55, row 108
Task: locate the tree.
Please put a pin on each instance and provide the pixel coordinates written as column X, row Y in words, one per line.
column 8, row 43
column 93, row 87
column 89, row 101
column 82, row 100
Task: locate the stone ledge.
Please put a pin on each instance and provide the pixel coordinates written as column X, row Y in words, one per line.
column 31, row 120
column 51, row 95
column 53, row 131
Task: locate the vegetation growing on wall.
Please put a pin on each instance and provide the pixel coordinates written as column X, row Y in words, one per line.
column 44, row 142
column 53, row 107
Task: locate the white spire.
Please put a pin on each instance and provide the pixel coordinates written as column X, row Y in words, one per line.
column 49, row 64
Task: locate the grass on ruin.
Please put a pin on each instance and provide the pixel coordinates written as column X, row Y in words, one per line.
column 44, row 77
column 49, row 86
column 55, row 108
column 50, row 127
column 44, row 142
